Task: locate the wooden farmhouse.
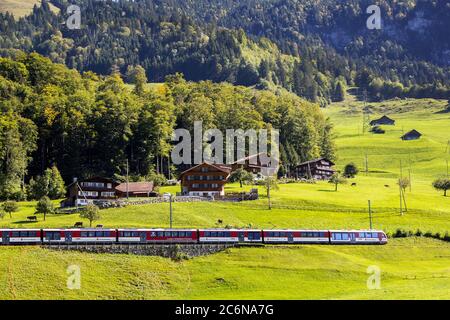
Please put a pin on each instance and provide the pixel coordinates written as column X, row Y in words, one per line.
column 318, row 169
column 205, row 180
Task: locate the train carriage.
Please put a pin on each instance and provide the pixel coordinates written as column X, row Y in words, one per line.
column 90, row 235
column 296, row 236
column 50, row 236
column 229, row 236
column 357, row 237
column 20, row 236
column 157, row 236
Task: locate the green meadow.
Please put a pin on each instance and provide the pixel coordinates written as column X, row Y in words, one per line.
column 411, row 268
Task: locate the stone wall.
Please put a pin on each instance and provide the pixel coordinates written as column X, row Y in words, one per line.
column 173, row 251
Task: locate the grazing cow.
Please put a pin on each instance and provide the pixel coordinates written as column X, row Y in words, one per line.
column 32, row 218
column 386, row 185
column 78, row 224
column 99, row 226
column 354, row 184
column 219, row 221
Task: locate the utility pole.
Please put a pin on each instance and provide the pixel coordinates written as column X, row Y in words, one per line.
column 268, row 192
column 128, row 197
column 370, row 215
column 367, row 164
column 170, row 206
column 400, row 189
column 447, row 168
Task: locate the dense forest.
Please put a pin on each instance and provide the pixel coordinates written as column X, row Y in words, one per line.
column 313, row 48
column 85, row 124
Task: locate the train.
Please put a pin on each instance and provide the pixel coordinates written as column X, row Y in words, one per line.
column 189, row 236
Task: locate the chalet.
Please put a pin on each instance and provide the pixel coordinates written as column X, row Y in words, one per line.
column 251, row 163
column 411, row 135
column 205, row 180
column 384, row 120
column 86, row 191
column 135, row 189
column 319, row 169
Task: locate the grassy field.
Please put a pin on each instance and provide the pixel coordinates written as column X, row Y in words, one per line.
column 294, row 206
column 412, row 268
column 20, row 8
column 425, row 157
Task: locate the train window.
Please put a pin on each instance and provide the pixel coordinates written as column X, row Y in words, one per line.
column 83, row 234
column 368, row 235
column 53, row 236
column 91, row 234
column 213, row 234
column 99, row 234
column 167, row 234
column 220, row 234
column 15, row 234
column 160, row 234
column 153, row 234
column 345, row 236
column 106, row 234
column 174, row 234
column 182, row 234
column 374, row 235
column 207, row 234
column 276, row 234
column 189, row 234
column 337, row 236
column 135, row 234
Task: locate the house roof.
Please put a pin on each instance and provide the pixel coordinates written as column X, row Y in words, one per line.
column 136, row 187
column 250, row 157
column 413, row 132
column 220, row 167
column 383, row 118
column 316, row 160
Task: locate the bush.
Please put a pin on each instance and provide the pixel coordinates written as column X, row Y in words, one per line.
column 350, row 170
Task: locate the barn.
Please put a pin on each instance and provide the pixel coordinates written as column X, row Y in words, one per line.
column 412, row 135
column 384, row 120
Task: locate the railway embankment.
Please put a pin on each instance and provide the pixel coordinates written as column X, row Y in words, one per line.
column 173, row 251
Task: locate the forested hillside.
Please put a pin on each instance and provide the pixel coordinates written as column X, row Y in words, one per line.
column 88, row 125
column 312, row 48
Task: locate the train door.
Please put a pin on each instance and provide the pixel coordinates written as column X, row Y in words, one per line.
column 68, row 235
column 143, row 237
column 352, row 237
column 241, row 236
column 5, row 237
column 290, row 237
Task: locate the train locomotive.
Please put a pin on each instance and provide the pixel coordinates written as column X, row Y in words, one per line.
column 192, row 236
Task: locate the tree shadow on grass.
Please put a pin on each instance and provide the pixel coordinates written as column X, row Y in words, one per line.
column 25, row 222
column 326, row 190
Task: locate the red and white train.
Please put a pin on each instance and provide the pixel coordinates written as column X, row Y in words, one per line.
column 147, row 236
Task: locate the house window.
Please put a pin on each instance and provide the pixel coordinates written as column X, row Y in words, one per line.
column 109, row 185
column 93, row 184
column 88, row 193
column 204, row 169
column 108, row 194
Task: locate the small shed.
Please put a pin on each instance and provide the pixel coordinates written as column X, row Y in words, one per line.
column 412, row 135
column 384, row 120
